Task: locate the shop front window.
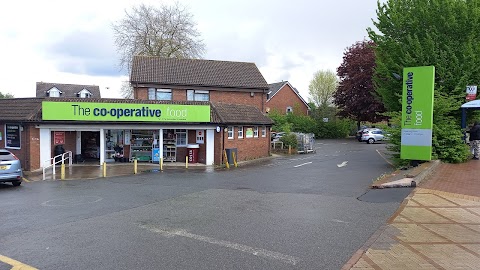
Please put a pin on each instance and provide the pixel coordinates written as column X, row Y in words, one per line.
column 240, row 132
column 255, row 132
column 181, row 137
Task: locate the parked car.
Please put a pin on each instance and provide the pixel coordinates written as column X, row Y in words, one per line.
column 359, row 133
column 372, row 135
column 10, row 168
column 276, row 137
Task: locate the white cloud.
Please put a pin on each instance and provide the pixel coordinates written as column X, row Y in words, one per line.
column 71, row 41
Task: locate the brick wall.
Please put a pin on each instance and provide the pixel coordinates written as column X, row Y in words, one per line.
column 179, row 94
column 140, row 93
column 70, row 142
column 233, row 97
column 257, row 100
column 247, row 148
column 286, row 97
column 34, row 157
column 29, row 152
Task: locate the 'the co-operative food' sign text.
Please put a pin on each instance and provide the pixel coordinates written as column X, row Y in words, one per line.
column 417, row 113
column 131, row 112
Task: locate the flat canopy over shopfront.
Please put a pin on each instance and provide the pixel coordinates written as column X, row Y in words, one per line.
column 471, row 105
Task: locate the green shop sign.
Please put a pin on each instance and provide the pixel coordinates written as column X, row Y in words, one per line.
column 417, row 113
column 123, row 112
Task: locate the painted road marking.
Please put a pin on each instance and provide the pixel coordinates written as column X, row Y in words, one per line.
column 343, row 164
column 302, row 164
column 16, row 264
column 384, row 158
column 26, row 180
column 243, row 248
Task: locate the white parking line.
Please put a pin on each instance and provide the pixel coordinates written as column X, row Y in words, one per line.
column 302, row 164
column 243, row 248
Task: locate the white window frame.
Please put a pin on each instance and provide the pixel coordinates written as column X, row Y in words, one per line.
column 84, row 94
column 153, row 93
column 55, row 91
column 240, row 132
column 193, row 95
column 230, row 134
column 179, row 135
column 255, row 131
column 264, row 131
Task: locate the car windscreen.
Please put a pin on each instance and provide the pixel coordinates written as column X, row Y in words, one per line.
column 6, row 156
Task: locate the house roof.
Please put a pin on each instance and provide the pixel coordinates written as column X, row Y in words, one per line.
column 30, row 109
column 240, row 114
column 274, row 88
column 69, row 90
column 196, row 72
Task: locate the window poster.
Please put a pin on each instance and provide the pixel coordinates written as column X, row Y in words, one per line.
column 12, row 135
column 249, row 132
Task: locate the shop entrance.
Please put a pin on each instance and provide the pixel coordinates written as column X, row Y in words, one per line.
column 90, row 145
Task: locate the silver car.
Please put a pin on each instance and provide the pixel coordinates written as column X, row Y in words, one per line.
column 371, row 135
column 10, row 168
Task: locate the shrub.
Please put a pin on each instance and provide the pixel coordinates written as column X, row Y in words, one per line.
column 289, row 140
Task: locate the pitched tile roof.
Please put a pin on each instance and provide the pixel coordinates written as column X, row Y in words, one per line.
column 275, row 87
column 30, row 109
column 20, row 109
column 196, row 72
column 69, row 90
column 240, row 114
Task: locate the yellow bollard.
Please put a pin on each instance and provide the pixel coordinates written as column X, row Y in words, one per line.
column 234, row 159
column 186, row 162
column 104, row 169
column 135, row 166
column 62, row 172
column 226, row 159
column 289, row 149
column 161, row 164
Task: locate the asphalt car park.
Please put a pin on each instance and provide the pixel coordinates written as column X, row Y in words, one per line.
column 288, row 212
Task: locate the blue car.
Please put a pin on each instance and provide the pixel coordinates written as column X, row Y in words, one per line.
column 10, row 168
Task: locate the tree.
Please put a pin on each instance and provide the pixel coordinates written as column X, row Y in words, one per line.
column 355, row 96
column 322, row 87
column 7, row 95
column 166, row 31
column 442, row 33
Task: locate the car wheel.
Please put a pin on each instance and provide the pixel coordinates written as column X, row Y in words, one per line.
column 16, row 183
column 371, row 140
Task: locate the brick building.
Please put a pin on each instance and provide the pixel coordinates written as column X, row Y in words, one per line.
column 179, row 105
column 284, row 98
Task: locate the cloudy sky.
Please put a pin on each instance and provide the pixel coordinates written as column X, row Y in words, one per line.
column 72, row 42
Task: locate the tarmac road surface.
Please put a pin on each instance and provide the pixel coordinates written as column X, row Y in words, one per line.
column 309, row 211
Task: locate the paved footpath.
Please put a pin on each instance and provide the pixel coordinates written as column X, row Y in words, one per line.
column 436, row 227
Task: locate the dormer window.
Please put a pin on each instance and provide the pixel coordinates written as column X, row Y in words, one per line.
column 54, row 92
column 84, row 94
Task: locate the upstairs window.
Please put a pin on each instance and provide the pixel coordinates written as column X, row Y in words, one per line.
column 84, row 94
column 159, row 94
column 54, row 92
column 198, row 95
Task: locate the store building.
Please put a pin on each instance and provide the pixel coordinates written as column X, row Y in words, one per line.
column 180, row 107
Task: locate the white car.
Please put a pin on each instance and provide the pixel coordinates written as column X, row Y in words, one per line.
column 372, row 135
